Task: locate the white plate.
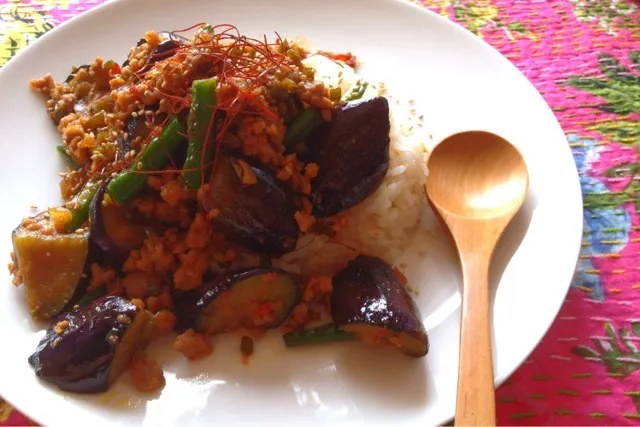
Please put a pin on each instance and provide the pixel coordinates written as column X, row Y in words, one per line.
column 459, row 83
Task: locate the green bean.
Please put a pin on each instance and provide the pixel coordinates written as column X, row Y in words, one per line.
column 302, row 126
column 199, row 153
column 317, row 335
column 127, row 183
column 358, row 91
column 80, row 206
column 91, row 296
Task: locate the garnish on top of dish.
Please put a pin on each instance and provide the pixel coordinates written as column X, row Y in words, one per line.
column 218, row 184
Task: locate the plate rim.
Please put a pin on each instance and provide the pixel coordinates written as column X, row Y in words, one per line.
column 555, row 308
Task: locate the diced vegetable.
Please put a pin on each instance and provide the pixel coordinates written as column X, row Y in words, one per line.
column 102, row 105
column 302, row 126
column 317, row 335
column 51, row 266
column 80, row 206
column 332, row 73
column 370, row 301
column 253, row 298
column 357, row 91
column 111, row 232
column 251, row 207
column 200, row 125
column 354, row 157
column 86, row 350
column 126, row 184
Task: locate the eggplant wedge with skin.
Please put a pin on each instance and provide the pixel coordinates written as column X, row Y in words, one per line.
column 251, row 207
column 86, row 350
column 253, row 298
column 354, row 156
column 51, row 264
column 111, row 234
column 370, row 301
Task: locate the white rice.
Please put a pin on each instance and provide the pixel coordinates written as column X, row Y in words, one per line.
column 388, row 223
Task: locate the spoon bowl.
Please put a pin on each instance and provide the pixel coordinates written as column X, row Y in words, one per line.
column 488, row 173
column 477, row 182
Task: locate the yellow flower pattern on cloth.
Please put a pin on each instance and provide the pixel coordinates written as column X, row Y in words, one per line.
column 481, row 15
column 5, row 411
column 478, row 16
column 20, row 24
column 583, row 57
column 440, row 6
column 48, row 4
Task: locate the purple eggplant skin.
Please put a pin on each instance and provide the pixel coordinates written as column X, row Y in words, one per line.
column 138, row 127
column 165, row 49
column 138, row 44
column 170, row 35
column 95, row 347
column 354, row 156
column 197, row 309
column 368, row 298
column 72, row 75
column 168, row 47
column 105, row 248
column 124, row 141
column 260, row 215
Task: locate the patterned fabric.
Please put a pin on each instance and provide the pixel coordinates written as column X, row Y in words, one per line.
column 584, row 57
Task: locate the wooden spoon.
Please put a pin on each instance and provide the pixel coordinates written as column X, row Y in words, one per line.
column 477, row 182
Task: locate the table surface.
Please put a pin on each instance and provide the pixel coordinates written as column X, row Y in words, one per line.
column 584, row 58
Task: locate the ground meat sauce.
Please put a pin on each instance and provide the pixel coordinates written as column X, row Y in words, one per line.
column 146, row 374
column 112, row 117
column 193, row 345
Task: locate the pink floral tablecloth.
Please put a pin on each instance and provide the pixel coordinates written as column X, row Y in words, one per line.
column 584, row 57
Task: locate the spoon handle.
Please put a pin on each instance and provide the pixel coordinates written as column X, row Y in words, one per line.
column 475, row 404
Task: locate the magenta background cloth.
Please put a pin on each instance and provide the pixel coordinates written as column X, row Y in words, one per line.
column 584, row 58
